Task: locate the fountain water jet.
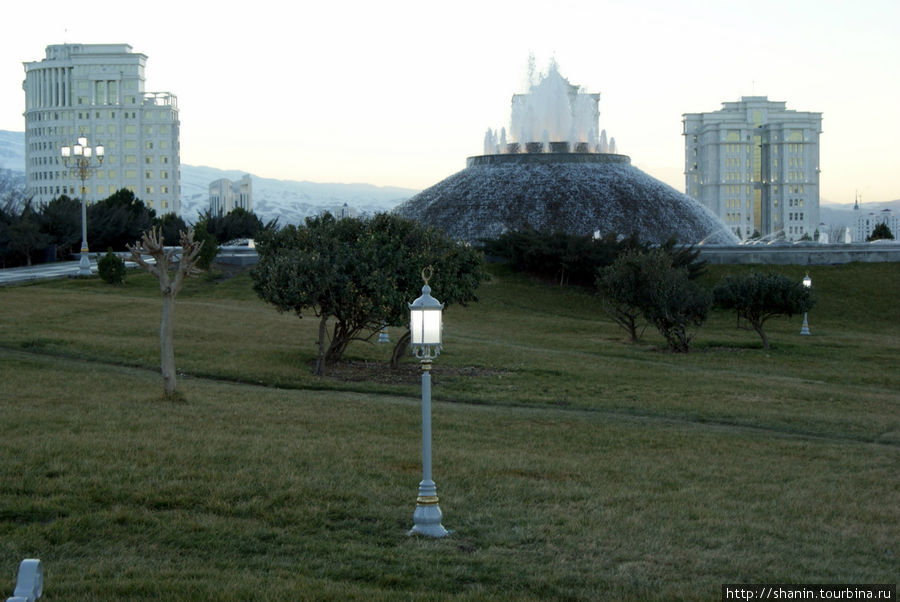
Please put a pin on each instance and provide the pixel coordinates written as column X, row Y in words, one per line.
column 556, row 174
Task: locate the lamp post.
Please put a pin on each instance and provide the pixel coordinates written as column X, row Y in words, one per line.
column 425, row 339
column 78, row 158
column 804, row 330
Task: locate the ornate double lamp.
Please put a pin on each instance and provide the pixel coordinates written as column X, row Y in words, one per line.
column 78, row 158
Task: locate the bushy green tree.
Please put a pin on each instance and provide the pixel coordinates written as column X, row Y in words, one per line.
column 111, row 268
column 171, row 225
column 61, row 220
column 647, row 284
column 623, row 291
column 236, row 224
column 118, row 220
column 881, row 232
column 757, row 297
column 677, row 306
column 359, row 273
column 23, row 236
column 209, row 248
column 575, row 259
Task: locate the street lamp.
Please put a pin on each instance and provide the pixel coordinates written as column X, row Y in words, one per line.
column 807, row 282
column 425, row 339
column 80, row 156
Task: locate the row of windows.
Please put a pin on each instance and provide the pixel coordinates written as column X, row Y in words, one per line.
column 733, row 218
column 735, row 203
column 100, row 190
column 109, row 159
column 100, row 174
column 110, row 128
column 795, row 217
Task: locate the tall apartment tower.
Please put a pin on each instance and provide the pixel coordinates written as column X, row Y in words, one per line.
column 755, row 164
column 97, row 91
column 225, row 196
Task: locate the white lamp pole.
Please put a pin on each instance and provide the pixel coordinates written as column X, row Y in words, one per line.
column 804, row 330
column 80, row 154
column 425, row 339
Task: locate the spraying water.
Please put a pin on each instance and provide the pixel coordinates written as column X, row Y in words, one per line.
column 553, row 116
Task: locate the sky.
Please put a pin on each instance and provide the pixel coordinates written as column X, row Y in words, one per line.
column 399, row 93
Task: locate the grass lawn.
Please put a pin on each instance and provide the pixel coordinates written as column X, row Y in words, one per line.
column 570, row 464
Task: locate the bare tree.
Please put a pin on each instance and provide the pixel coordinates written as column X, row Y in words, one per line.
column 184, row 262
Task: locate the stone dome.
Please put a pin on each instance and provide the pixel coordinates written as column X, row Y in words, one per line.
column 577, row 193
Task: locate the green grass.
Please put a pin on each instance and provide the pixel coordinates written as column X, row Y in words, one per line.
column 570, row 464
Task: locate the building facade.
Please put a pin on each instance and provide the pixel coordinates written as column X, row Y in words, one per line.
column 865, row 223
column 755, row 164
column 225, row 196
column 97, row 91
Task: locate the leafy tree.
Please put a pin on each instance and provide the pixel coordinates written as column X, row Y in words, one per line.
column 209, row 250
column 111, row 268
column 61, row 220
column 647, row 284
column 758, row 297
column 405, row 248
column 358, row 272
column 677, row 306
column 623, row 290
column 118, row 220
column 575, row 259
column 238, row 223
column 23, row 235
column 881, row 232
column 171, row 225
column 170, row 267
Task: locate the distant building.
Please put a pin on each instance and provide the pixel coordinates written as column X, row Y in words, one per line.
column 755, row 164
column 97, row 91
column 866, row 222
column 225, row 196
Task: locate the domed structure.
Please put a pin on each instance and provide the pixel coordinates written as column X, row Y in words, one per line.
column 532, row 178
column 577, row 193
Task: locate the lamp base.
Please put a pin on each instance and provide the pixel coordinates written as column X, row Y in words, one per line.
column 804, row 329
column 84, row 264
column 427, row 516
column 427, row 520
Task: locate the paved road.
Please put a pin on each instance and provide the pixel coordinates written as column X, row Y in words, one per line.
column 59, row 269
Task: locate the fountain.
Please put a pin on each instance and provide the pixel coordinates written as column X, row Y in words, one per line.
column 552, row 171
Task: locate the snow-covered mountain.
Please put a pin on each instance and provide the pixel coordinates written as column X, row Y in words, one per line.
column 288, row 201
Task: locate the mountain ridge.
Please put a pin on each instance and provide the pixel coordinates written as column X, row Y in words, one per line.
column 290, row 201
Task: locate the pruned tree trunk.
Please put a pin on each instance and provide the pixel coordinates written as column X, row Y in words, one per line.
column 166, row 344
column 151, row 244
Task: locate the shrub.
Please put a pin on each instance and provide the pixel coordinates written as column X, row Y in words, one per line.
column 111, row 268
column 756, row 297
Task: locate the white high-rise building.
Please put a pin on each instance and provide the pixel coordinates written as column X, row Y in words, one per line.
column 97, row 91
column 865, row 223
column 755, row 164
column 225, row 196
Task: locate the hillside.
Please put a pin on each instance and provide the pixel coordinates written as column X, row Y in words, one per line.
column 289, row 201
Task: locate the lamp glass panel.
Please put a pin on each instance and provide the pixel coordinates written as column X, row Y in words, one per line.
column 425, row 326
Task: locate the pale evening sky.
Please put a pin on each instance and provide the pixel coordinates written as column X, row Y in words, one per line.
column 401, row 92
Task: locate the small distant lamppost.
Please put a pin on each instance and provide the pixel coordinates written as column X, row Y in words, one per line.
column 78, row 158
column 425, row 339
column 807, row 282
